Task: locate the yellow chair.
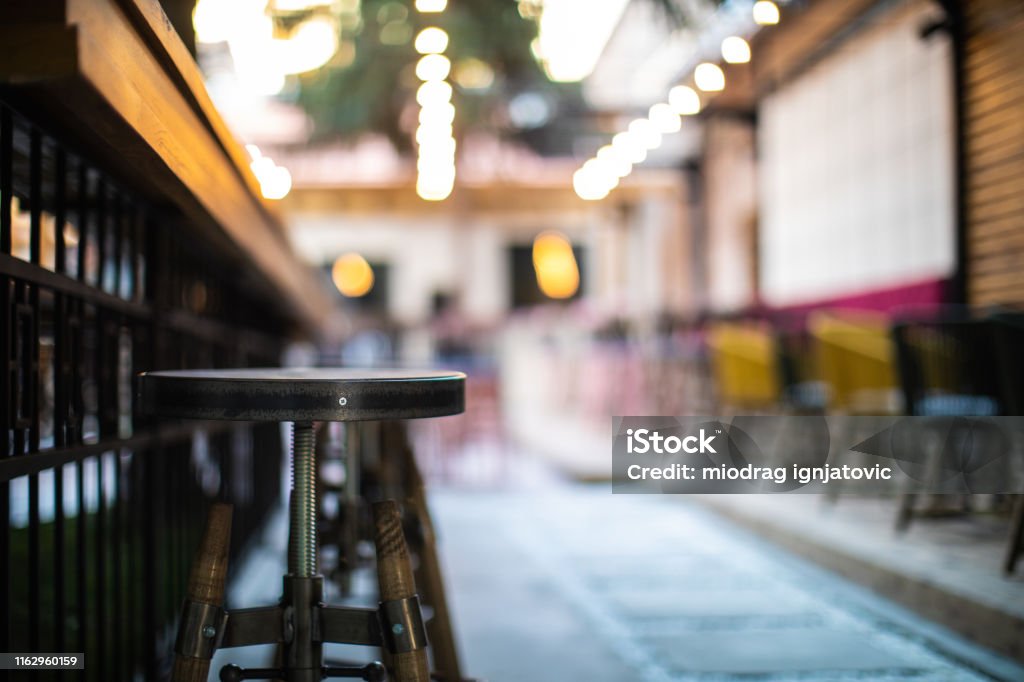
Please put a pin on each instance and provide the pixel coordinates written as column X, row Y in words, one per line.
column 744, row 362
column 856, row 360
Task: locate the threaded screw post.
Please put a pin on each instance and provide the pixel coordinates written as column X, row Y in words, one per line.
column 302, row 549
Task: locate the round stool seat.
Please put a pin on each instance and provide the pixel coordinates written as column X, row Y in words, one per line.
column 301, row 395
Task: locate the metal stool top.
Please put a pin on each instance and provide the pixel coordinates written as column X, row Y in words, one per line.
column 302, row 395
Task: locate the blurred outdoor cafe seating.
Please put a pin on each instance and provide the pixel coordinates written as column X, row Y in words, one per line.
column 942, row 362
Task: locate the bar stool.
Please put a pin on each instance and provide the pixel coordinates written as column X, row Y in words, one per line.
column 302, row 623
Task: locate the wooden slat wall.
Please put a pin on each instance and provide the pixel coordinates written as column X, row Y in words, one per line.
column 994, row 150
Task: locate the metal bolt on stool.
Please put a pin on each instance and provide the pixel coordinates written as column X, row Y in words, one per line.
column 302, row 623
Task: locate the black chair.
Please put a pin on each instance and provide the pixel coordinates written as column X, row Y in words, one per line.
column 948, row 367
column 1009, row 340
column 802, row 390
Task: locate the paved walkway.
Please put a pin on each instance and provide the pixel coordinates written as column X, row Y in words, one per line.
column 570, row 582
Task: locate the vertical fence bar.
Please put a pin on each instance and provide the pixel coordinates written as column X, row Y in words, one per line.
column 59, row 400
column 30, row 368
column 81, row 577
column 117, row 544
column 100, row 586
column 83, row 218
column 6, row 177
column 6, row 190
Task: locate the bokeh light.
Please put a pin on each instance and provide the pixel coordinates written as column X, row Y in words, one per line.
column 735, row 50
column 766, row 13
column 426, row 6
column 664, row 119
column 644, row 132
column 558, row 275
column 684, row 100
column 431, row 40
column 631, row 146
column 352, row 275
column 433, row 93
column 433, row 67
column 709, row 77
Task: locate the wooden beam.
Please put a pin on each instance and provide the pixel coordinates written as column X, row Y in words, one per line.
column 504, row 199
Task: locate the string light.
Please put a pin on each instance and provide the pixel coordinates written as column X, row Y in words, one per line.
column 437, row 113
column 433, row 67
column 735, row 50
column 617, row 160
column 684, row 100
column 601, row 174
column 428, row 6
column 709, row 77
column 436, row 147
column 630, row 147
column 766, row 13
column 434, row 93
column 275, row 181
column 431, row 40
column 664, row 119
column 644, row 132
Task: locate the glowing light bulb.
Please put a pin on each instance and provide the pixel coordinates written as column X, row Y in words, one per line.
column 558, row 275
column 735, row 50
column 433, row 67
column 644, row 132
column 277, row 184
column 352, row 275
column 588, row 186
column 766, row 13
column 275, row 181
column 431, row 187
column 427, row 6
column 616, row 159
column 630, row 147
column 709, row 77
column 664, row 119
column 436, row 166
column 433, row 93
column 684, row 100
column 436, row 137
column 442, row 113
column 603, row 173
column 431, row 40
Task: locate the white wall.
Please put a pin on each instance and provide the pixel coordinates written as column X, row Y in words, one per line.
column 857, row 166
column 632, row 263
column 423, row 258
column 730, row 213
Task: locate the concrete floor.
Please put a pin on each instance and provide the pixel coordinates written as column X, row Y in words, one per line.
column 571, row 582
column 554, row 581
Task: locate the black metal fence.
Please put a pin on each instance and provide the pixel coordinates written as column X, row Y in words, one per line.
column 100, row 510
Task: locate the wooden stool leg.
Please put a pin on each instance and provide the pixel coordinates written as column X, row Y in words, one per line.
column 395, row 577
column 206, row 585
column 428, row 573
